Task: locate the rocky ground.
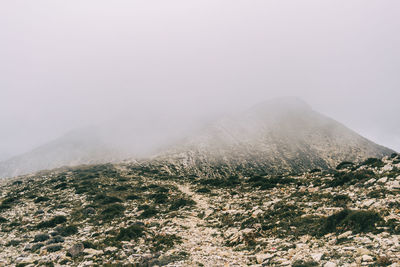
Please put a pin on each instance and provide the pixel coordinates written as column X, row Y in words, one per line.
column 149, row 214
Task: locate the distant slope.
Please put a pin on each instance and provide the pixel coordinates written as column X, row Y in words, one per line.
column 131, row 136
column 75, row 148
column 276, row 136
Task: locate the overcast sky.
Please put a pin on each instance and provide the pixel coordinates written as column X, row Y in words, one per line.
column 67, row 64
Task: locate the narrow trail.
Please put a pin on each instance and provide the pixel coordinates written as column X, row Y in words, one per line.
column 204, row 243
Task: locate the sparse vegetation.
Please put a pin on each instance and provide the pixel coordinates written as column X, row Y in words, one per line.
column 358, row 221
column 112, row 211
column 143, row 210
column 132, row 232
column 373, row 162
column 52, row 222
column 344, row 165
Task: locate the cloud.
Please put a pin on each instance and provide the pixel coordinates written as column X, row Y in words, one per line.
column 70, row 64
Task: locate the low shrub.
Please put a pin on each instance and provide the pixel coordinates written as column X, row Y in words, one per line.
column 54, row 248
column 203, row 190
column 61, row 186
column 342, row 178
column 132, row 232
column 158, row 198
column 344, row 165
column 4, row 207
column 133, row 197
column 52, row 222
column 268, row 183
column 68, row 230
column 41, row 199
column 180, row 203
column 112, row 211
column 148, row 212
column 104, row 199
column 300, row 263
column 373, row 162
column 341, row 200
column 9, row 200
column 164, row 242
column 358, row 221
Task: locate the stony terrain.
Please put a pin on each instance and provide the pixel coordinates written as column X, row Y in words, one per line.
column 157, row 213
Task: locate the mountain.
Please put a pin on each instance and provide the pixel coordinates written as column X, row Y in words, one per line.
column 129, row 136
column 75, row 148
column 280, row 135
column 276, row 136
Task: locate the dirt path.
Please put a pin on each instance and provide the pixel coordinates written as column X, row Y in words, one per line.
column 205, row 244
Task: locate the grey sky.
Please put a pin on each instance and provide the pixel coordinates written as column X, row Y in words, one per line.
column 66, row 64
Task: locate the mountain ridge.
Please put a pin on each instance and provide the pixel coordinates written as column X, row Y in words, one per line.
column 278, row 135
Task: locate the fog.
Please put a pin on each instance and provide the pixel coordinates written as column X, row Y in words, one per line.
column 71, row 64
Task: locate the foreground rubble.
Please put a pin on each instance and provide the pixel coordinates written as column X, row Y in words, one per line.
column 149, row 214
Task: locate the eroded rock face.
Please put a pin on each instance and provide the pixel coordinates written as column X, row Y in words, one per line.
column 155, row 213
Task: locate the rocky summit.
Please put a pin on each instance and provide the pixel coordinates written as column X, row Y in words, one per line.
column 157, row 213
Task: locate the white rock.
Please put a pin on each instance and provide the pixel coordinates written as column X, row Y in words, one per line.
column 345, row 235
column 93, row 251
column 387, row 167
column 256, row 213
column 262, row 257
column 370, row 181
column 393, row 185
column 111, row 249
column 363, row 251
column 383, row 180
column 317, row 256
column 367, row 258
column 368, row 202
column 330, row 264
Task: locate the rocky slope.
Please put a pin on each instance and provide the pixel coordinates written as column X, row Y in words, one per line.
column 278, row 135
column 156, row 213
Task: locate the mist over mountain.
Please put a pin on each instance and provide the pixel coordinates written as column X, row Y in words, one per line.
column 278, row 135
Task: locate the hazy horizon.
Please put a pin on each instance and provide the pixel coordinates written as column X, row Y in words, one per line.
column 67, row 65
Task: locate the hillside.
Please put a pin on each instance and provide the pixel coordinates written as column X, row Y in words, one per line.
column 75, row 148
column 279, row 135
column 152, row 213
column 282, row 135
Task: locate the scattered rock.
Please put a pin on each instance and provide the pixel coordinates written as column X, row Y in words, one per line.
column 110, row 249
column 367, row 258
column 76, row 249
column 330, row 264
column 345, row 235
column 260, row 258
column 91, row 251
column 317, row 256
column 368, row 203
column 383, row 180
